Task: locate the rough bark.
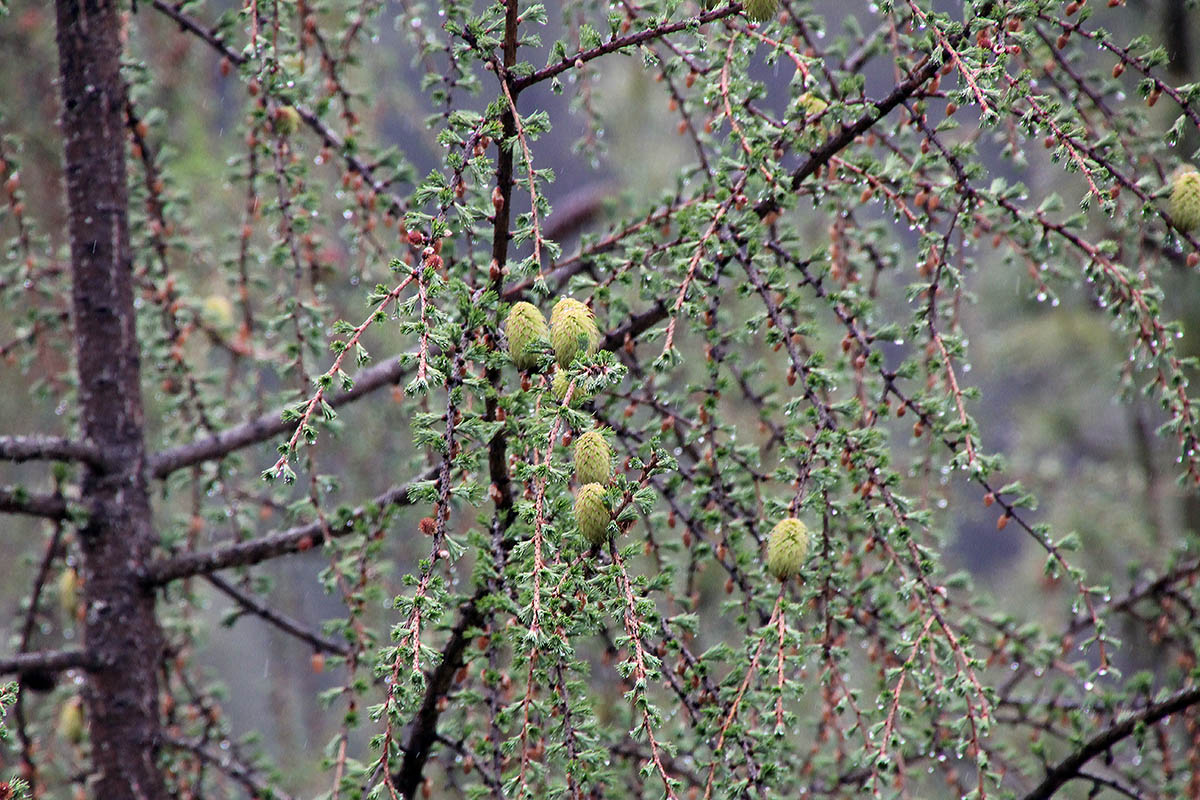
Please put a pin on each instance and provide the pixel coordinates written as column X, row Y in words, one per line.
column 121, row 633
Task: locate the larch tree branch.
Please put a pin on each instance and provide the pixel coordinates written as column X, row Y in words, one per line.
column 46, row 661
column 16, row 500
column 47, row 448
column 252, row 605
column 265, row 426
column 264, row 548
column 1068, row 769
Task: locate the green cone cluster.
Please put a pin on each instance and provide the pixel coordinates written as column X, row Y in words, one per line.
column 786, row 548
column 761, row 10
column 591, row 513
column 593, row 458
column 525, row 329
column 1184, row 206
column 573, row 331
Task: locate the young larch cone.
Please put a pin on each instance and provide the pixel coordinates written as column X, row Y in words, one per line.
column 593, row 458
column 525, row 328
column 761, row 10
column 591, row 513
column 786, row 548
column 1184, row 206
column 572, row 331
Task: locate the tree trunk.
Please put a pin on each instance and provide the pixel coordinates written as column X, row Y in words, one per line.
column 121, row 631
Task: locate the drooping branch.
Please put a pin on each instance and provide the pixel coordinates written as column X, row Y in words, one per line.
column 329, row 137
column 423, row 733
column 1154, row 587
column 209, row 35
column 1069, row 768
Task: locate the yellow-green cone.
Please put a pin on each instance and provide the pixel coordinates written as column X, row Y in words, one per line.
column 761, row 10
column 70, row 720
column 572, row 324
column 525, row 328
column 287, row 120
column 68, row 592
column 558, row 385
column 811, row 104
column 786, row 548
column 593, row 458
column 217, row 310
column 1184, row 206
column 591, row 513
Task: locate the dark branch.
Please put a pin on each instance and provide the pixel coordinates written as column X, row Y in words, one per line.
column 228, row 765
column 1140, row 592
column 285, row 623
column 47, row 448
column 1069, row 768
column 267, row 425
column 254, row 551
column 45, row 661
column 15, row 500
column 209, row 35
column 903, row 90
column 423, row 732
column 635, row 326
column 620, row 43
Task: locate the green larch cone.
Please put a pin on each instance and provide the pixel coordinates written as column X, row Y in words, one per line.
column 70, row 720
column 559, row 384
column 571, row 322
column 1184, row 206
column 761, row 10
column 591, row 513
column 525, row 327
column 68, row 592
column 786, row 548
column 593, row 458
column 287, row 120
column 811, row 104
